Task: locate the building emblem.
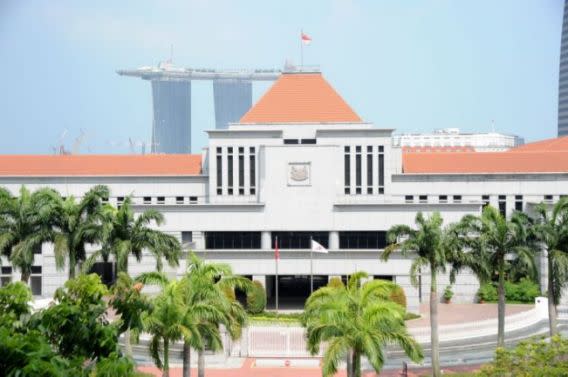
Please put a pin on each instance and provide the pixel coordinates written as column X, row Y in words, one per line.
column 299, row 174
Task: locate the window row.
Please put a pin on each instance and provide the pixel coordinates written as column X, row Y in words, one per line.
column 374, row 160
column 234, row 160
column 35, row 278
column 292, row 240
column 162, row 200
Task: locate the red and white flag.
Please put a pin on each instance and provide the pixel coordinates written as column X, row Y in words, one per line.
column 318, row 248
column 306, row 39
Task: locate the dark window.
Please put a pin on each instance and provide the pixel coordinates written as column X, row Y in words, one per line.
column 232, row 240
column 37, row 249
column 358, row 169
column 35, row 284
column 5, row 280
column 36, row 270
column 363, row 240
column 381, row 148
column 106, row 271
column 291, row 141
column 443, row 198
column 161, row 199
column 193, row 200
column 120, row 199
column 347, row 170
column 230, row 171
column 180, row 199
column 457, row 198
column 409, row 198
column 252, row 167
column 370, row 172
column 519, row 203
column 6, row 270
column 503, row 205
column 548, row 198
column 241, row 174
column 104, row 200
column 186, row 238
column 358, row 149
column 381, row 169
column 241, row 150
column 219, row 171
column 381, row 190
column 485, row 199
column 423, row 198
column 309, row 141
column 147, row 200
column 300, row 240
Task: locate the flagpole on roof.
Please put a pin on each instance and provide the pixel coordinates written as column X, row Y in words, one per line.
column 301, row 49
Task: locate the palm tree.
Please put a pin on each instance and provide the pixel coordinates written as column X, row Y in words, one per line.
column 165, row 325
column 126, row 234
column 78, row 223
column 357, row 320
column 202, row 293
column 551, row 230
column 26, row 222
column 435, row 247
column 501, row 244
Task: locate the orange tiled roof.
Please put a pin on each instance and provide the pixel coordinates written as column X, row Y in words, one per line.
column 548, row 156
column 301, row 98
column 100, row 165
column 548, row 145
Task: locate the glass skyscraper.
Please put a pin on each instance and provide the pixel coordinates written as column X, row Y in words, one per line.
column 563, row 79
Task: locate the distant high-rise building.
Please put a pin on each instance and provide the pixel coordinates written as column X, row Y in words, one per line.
column 563, row 79
column 171, row 97
column 171, row 131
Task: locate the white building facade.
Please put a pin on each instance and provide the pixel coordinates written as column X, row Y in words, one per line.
column 300, row 165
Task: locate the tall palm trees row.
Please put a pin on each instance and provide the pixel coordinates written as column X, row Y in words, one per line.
column 491, row 246
column 30, row 219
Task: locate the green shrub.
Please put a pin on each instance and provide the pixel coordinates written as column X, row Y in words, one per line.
column 256, row 298
column 524, row 291
column 530, row 358
column 487, row 292
column 448, row 293
column 230, row 293
column 397, row 295
column 335, row 282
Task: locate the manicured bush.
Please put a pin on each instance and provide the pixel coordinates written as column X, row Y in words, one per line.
column 256, row 298
column 487, row 292
column 448, row 293
column 524, row 291
column 335, row 282
column 397, row 295
column 230, row 293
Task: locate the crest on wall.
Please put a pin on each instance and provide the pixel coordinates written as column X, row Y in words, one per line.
column 299, row 174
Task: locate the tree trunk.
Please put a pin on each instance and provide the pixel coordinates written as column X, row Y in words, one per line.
column 501, row 305
column 186, row 360
column 348, row 366
column 25, row 277
column 200, row 364
column 435, row 347
column 127, row 343
column 551, row 303
column 166, row 372
column 356, row 364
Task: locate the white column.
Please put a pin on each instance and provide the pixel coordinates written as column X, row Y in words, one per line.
column 334, row 240
column 265, row 241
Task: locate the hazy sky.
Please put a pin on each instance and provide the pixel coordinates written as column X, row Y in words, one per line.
column 411, row 65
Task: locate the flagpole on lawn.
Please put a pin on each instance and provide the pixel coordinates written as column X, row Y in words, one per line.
column 276, row 280
column 311, row 265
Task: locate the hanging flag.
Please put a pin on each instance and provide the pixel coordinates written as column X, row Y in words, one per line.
column 276, row 251
column 318, row 248
column 306, row 39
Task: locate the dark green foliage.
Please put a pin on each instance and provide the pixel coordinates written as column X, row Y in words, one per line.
column 524, row 291
column 129, row 302
column 14, row 302
column 531, row 358
column 448, row 293
column 487, row 292
column 29, row 354
column 76, row 326
column 114, row 366
column 256, row 298
column 398, row 296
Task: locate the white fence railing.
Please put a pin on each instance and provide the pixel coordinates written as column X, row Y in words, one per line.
column 290, row 341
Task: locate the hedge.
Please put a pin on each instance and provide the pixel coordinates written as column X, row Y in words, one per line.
column 256, row 298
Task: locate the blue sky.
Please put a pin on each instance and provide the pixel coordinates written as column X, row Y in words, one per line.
column 410, row 65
